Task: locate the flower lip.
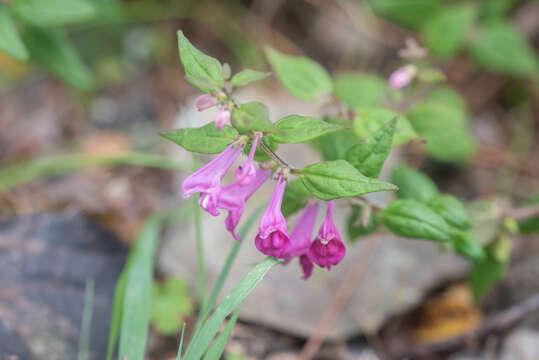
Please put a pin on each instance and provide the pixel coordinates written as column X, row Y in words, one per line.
column 327, row 248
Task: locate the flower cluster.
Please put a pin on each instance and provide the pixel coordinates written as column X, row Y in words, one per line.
column 273, row 238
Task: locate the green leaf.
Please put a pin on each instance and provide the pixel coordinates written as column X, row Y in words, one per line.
column 338, row 179
column 138, row 291
column 354, row 226
column 200, row 343
column 216, row 350
column 52, row 49
column 199, row 66
column 301, row 76
column 500, row 47
column 446, row 31
column 495, row 9
column 248, row 76
column 371, row 119
column 170, row 304
column 413, row 184
column 484, row 275
column 295, row 197
column 253, row 116
column 53, row 12
column 443, row 121
column 451, row 209
column 117, row 311
column 467, row 246
column 408, row 13
column 357, row 89
column 413, row 219
column 206, row 139
column 369, row 156
column 180, row 346
column 10, row 41
column 297, row 129
column 334, row 146
column 530, row 225
column 430, row 75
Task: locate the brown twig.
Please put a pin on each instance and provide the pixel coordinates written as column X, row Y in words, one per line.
column 344, row 292
column 494, row 324
column 522, row 213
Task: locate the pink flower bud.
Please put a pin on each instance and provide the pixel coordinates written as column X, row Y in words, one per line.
column 327, row 248
column 205, row 101
column 245, row 173
column 402, row 76
column 222, row 119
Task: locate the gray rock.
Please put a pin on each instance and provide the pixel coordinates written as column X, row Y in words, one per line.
column 522, row 344
column 45, row 261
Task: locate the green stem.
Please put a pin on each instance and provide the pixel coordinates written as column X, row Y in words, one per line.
column 200, row 247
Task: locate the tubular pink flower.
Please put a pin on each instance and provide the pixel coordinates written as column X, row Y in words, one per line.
column 272, row 238
column 327, row 248
column 223, row 118
column 306, row 265
column 234, row 196
column 301, row 238
column 207, row 180
column 245, row 173
column 205, row 101
column 402, row 77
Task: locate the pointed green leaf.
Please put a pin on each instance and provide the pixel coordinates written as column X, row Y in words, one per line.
column 446, row 31
column 333, row 146
column 451, row 209
column 253, row 116
column 370, row 119
column 52, row 49
column 297, row 129
column 295, row 197
column 412, row 219
column 468, row 247
column 199, row 66
column 413, row 184
column 10, row 41
column 53, row 12
column 369, row 156
column 485, row 274
column 206, row 139
column 301, row 76
column 408, row 13
column 216, row 350
column 338, row 179
column 248, row 76
column 357, row 89
column 500, row 47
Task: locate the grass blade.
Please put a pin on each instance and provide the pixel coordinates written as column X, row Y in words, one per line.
column 216, row 350
column 180, row 347
column 86, row 322
column 200, row 253
column 200, row 343
column 117, row 311
column 138, row 290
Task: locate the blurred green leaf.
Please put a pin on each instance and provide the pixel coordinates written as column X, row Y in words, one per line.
column 430, row 75
column 530, row 225
column 446, row 31
column 206, row 139
column 216, row 350
column 495, row 9
column 451, row 209
column 201, row 70
column 467, row 246
column 354, row 226
column 53, row 12
column 485, row 274
column 357, row 89
column 170, row 304
column 117, row 310
column 52, row 49
column 338, row 179
column 253, row 116
column 500, row 47
column 371, row 119
column 413, row 219
column 369, row 156
column 295, row 197
column 301, row 76
column 334, row 146
column 413, row 184
column 10, row 41
column 297, row 129
column 408, row 13
column 248, row 76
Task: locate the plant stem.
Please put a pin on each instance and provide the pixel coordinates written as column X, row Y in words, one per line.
column 273, row 155
column 200, row 246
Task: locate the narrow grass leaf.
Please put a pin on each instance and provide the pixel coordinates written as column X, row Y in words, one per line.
column 86, row 322
column 180, row 347
column 216, row 350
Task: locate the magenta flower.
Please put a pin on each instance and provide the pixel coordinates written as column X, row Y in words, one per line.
column 223, row 118
column 205, row 101
column 301, row 238
column 327, row 248
column 207, row 180
column 402, row 76
column 272, row 238
column 234, row 196
column 246, row 172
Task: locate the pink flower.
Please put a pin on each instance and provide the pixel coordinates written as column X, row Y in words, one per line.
column 272, row 238
column 402, row 76
column 223, row 118
column 207, row 180
column 205, row 101
column 246, row 172
column 327, row 248
column 301, row 238
column 234, row 196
